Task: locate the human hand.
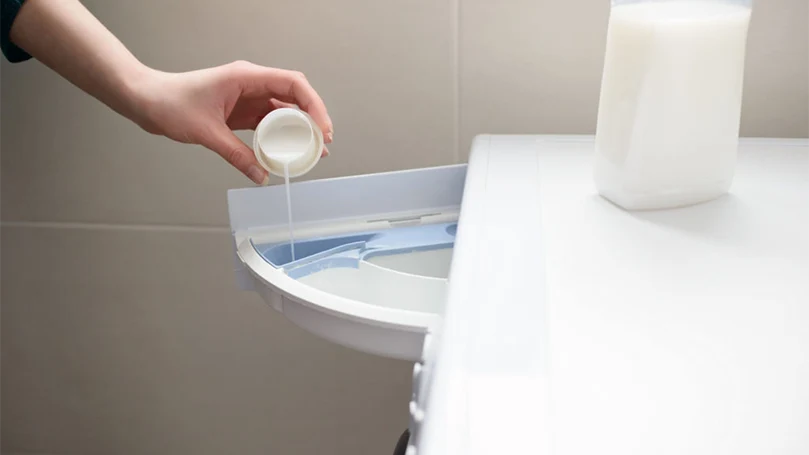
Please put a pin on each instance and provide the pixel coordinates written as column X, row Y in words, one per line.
column 205, row 106
column 199, row 107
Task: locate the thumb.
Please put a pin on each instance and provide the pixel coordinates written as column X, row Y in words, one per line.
column 237, row 153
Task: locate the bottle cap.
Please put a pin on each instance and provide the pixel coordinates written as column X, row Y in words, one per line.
column 287, row 140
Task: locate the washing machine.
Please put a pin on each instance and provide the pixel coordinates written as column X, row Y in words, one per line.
column 540, row 318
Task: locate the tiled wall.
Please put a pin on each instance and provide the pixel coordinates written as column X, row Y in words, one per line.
column 122, row 330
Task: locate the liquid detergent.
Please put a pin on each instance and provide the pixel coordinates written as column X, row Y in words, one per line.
column 671, row 95
column 289, row 212
column 288, row 143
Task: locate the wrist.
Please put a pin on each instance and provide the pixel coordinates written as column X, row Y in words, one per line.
column 137, row 84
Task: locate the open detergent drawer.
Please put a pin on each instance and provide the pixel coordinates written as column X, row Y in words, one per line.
column 371, row 254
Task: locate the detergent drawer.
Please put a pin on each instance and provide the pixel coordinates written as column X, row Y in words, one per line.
column 369, row 262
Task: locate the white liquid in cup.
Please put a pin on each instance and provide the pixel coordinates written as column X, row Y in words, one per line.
column 286, row 143
column 671, row 94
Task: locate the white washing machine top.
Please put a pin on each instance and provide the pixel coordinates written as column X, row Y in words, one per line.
column 543, row 319
column 573, row 327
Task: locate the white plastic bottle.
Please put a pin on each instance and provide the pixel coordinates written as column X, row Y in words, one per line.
column 671, row 95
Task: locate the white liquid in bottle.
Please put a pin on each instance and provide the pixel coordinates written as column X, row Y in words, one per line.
column 671, row 94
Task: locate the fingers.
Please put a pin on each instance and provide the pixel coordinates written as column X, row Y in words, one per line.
column 247, row 113
column 276, row 104
column 286, row 86
column 237, row 153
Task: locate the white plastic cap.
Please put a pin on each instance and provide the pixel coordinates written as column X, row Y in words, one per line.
column 288, row 137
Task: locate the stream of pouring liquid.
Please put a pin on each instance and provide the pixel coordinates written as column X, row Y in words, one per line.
column 287, row 144
column 289, row 211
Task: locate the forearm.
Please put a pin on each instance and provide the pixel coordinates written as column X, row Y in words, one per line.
column 66, row 37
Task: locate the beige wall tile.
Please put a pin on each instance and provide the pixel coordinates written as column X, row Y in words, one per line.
column 529, row 66
column 385, row 69
column 136, row 342
column 776, row 95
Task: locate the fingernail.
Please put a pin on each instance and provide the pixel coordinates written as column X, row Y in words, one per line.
column 258, row 176
column 330, row 136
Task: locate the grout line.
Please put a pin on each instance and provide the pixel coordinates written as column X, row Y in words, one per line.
column 30, row 453
column 456, row 25
column 114, row 227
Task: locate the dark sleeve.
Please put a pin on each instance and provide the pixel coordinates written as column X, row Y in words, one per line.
column 9, row 11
